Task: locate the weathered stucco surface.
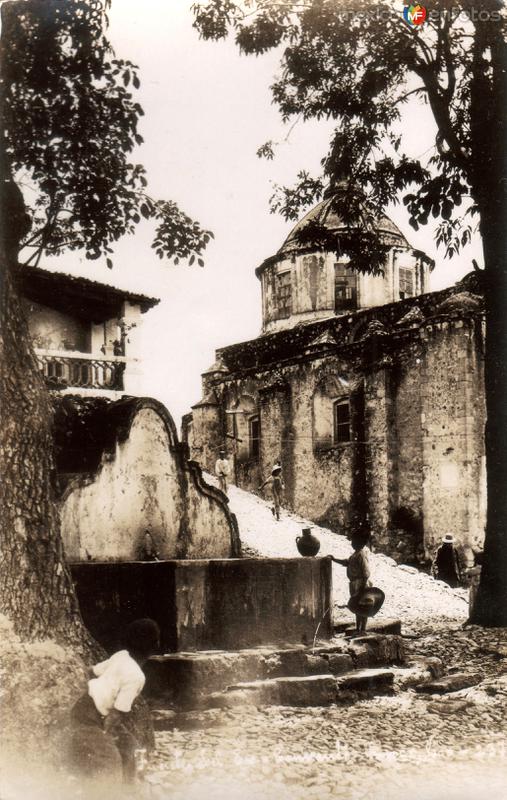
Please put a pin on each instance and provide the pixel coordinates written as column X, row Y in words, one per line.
column 212, row 604
column 53, row 330
column 143, row 482
column 311, row 276
column 414, row 464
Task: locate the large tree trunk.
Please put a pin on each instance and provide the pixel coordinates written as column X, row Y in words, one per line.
column 490, row 608
column 489, row 99
column 36, row 589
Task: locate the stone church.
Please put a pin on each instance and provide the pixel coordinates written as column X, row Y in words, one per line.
column 368, row 389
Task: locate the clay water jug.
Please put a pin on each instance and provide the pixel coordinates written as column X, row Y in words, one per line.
column 307, row 544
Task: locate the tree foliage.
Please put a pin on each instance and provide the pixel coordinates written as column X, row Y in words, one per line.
column 358, row 64
column 70, row 124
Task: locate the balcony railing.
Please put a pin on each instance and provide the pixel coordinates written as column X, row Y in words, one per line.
column 82, row 371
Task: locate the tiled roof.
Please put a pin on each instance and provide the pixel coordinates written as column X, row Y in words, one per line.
column 87, row 298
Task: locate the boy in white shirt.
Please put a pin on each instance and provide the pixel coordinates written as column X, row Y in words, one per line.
column 117, row 682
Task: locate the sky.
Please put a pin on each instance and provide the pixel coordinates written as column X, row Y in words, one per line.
column 207, row 111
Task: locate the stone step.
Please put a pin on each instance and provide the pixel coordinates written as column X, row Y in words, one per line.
column 417, row 672
column 316, row 690
column 450, row 683
column 183, row 680
column 313, row 690
column 370, row 681
column 376, row 650
column 384, row 626
column 305, row 691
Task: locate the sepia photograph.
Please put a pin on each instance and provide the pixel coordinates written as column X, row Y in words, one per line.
column 253, row 400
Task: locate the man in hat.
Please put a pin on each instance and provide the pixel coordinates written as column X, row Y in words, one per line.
column 277, row 487
column 222, row 470
column 445, row 566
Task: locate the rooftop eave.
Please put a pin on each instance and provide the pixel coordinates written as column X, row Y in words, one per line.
column 298, row 341
column 421, row 255
column 87, row 299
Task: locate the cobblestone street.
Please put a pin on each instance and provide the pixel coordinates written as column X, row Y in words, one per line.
column 425, row 746
column 387, row 748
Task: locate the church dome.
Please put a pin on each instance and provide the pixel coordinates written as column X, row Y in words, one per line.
column 324, row 216
column 309, row 278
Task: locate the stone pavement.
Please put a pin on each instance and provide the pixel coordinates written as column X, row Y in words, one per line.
column 430, row 746
column 451, row 747
column 385, row 748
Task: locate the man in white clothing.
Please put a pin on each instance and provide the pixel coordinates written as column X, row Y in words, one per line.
column 222, row 470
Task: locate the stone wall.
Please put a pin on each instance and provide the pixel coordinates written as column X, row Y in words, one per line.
column 414, row 465
column 128, row 474
column 212, row 604
column 406, row 458
column 453, row 418
column 205, row 434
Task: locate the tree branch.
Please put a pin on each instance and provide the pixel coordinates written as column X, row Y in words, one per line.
column 426, row 49
column 412, row 91
column 449, row 64
column 33, row 238
column 440, row 109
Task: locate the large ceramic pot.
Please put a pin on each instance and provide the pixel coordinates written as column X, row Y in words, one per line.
column 308, row 544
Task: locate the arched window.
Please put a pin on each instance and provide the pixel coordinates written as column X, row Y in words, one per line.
column 242, row 429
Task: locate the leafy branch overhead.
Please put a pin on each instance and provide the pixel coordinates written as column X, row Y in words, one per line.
column 359, row 64
column 71, row 121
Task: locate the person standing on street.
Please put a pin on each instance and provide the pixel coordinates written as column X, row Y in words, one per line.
column 277, row 487
column 445, row 566
column 358, row 573
column 222, row 470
